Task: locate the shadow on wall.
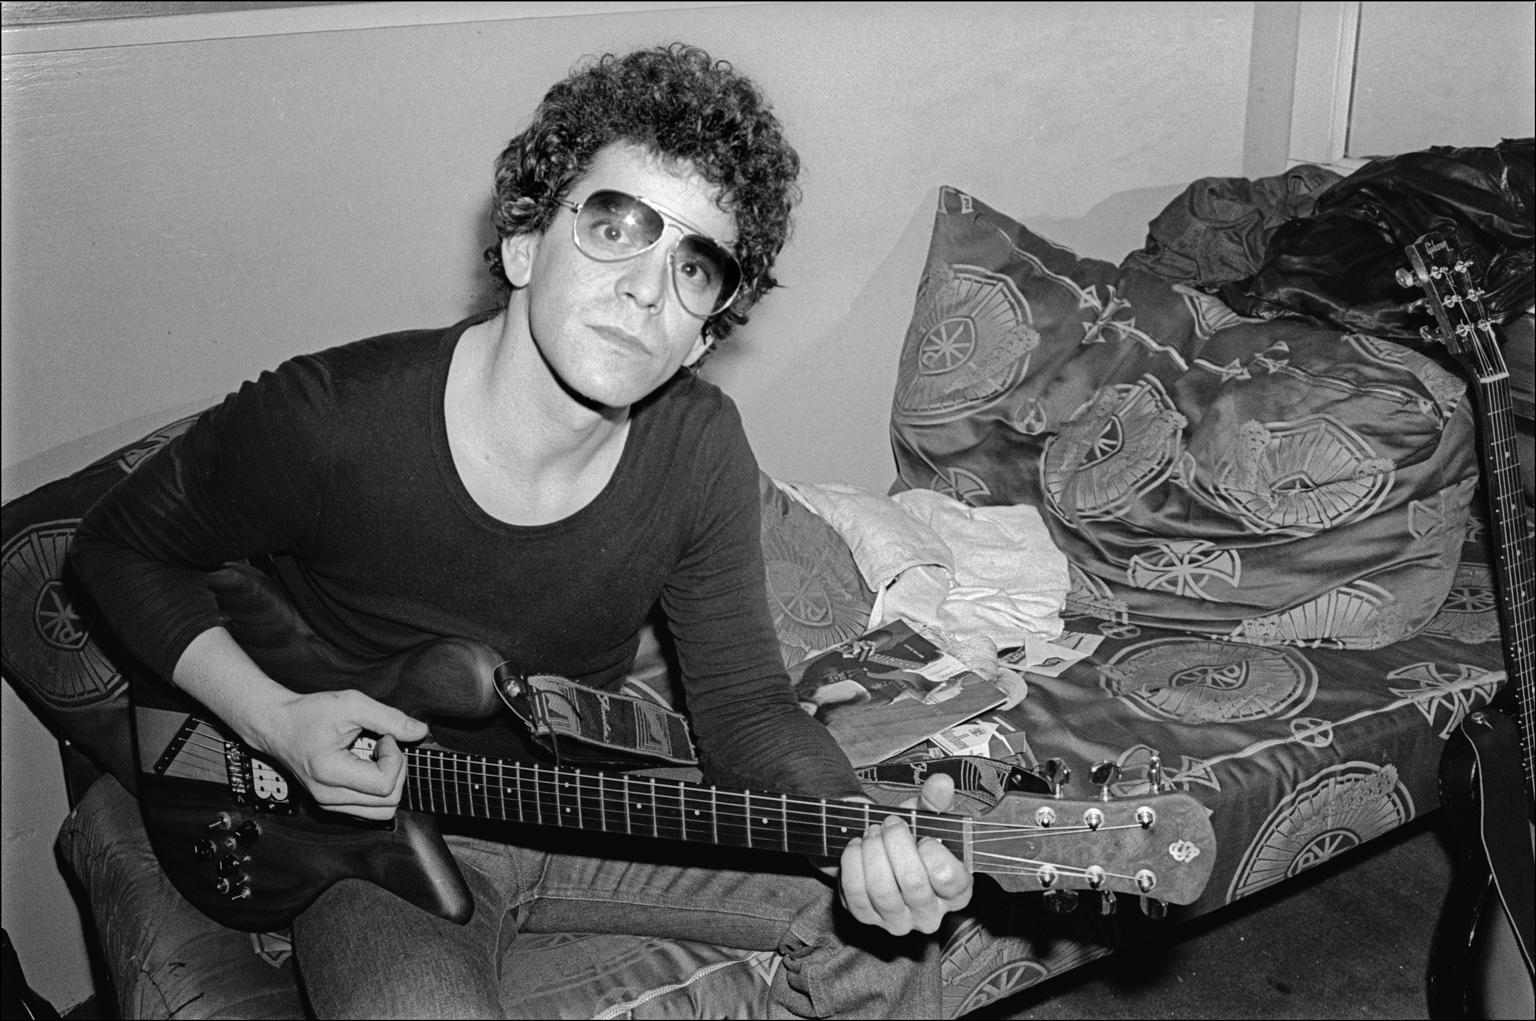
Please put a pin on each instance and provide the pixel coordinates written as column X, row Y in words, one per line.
column 856, row 357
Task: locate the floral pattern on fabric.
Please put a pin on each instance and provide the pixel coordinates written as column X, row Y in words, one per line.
column 1267, row 482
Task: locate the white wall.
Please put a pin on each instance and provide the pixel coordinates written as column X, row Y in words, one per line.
column 180, row 215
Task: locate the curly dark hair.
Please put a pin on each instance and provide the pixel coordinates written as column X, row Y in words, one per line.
column 682, row 105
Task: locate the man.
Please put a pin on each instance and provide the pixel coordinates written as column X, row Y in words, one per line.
column 536, row 479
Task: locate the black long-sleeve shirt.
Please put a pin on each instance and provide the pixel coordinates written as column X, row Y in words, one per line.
column 337, row 464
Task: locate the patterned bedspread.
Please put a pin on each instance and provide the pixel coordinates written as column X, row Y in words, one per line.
column 1301, row 754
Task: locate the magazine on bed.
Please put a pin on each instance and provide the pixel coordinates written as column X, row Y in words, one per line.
column 888, row 690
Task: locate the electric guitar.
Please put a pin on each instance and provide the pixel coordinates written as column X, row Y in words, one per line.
column 245, row 844
column 1481, row 961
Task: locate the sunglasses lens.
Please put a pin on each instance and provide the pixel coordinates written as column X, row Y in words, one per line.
column 706, row 275
column 613, row 226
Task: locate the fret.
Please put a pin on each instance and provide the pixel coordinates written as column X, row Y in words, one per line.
column 697, row 813
column 951, row 831
column 430, row 777
column 463, row 784
column 431, row 792
column 642, row 807
column 479, row 798
column 439, row 782
column 765, row 821
column 412, row 796
column 506, row 783
column 591, row 811
column 668, row 819
column 452, row 778
column 439, row 792
column 841, row 822
column 496, row 787
column 732, row 821
column 444, row 788
column 537, row 799
column 491, row 791
column 567, row 800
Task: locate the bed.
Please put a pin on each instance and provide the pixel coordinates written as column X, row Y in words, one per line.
column 1279, row 600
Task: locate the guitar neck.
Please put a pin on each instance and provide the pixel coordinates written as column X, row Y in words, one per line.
column 450, row 783
column 1514, row 562
column 1454, row 298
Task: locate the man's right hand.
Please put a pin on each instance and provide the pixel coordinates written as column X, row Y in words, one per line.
column 315, row 737
column 310, row 735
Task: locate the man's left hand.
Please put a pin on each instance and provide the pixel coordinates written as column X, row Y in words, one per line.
column 893, row 880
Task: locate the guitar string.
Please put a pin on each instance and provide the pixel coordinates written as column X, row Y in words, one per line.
column 1513, row 557
column 473, row 779
column 545, row 788
column 548, row 791
column 209, row 749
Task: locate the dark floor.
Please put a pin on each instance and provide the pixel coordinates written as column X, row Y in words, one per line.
column 1349, row 940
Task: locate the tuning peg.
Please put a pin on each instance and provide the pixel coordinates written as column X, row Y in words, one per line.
column 1155, row 778
column 1103, row 774
column 1154, row 908
column 1057, row 774
column 1061, row 902
column 1107, row 902
column 1405, row 277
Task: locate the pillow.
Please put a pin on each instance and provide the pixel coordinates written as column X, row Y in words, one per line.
column 1296, row 485
column 1010, row 335
column 1266, row 481
column 816, row 594
column 57, row 653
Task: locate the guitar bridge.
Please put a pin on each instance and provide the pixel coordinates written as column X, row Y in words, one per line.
column 255, row 784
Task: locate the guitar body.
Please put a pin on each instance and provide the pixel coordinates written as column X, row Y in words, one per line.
column 1478, row 968
column 223, row 823
column 291, row 859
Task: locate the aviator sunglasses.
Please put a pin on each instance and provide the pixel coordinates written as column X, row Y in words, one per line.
column 612, row 226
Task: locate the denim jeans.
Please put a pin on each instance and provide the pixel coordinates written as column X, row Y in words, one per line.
column 363, row 952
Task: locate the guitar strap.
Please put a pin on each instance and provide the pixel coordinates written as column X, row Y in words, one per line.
column 611, row 729
column 556, row 710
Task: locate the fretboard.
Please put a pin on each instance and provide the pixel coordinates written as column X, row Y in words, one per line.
column 1514, row 561
column 452, row 783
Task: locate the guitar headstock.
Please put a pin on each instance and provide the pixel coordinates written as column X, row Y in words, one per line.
column 1455, row 300
column 1160, row 845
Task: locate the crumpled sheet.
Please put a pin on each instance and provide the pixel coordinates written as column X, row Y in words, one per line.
column 974, row 579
